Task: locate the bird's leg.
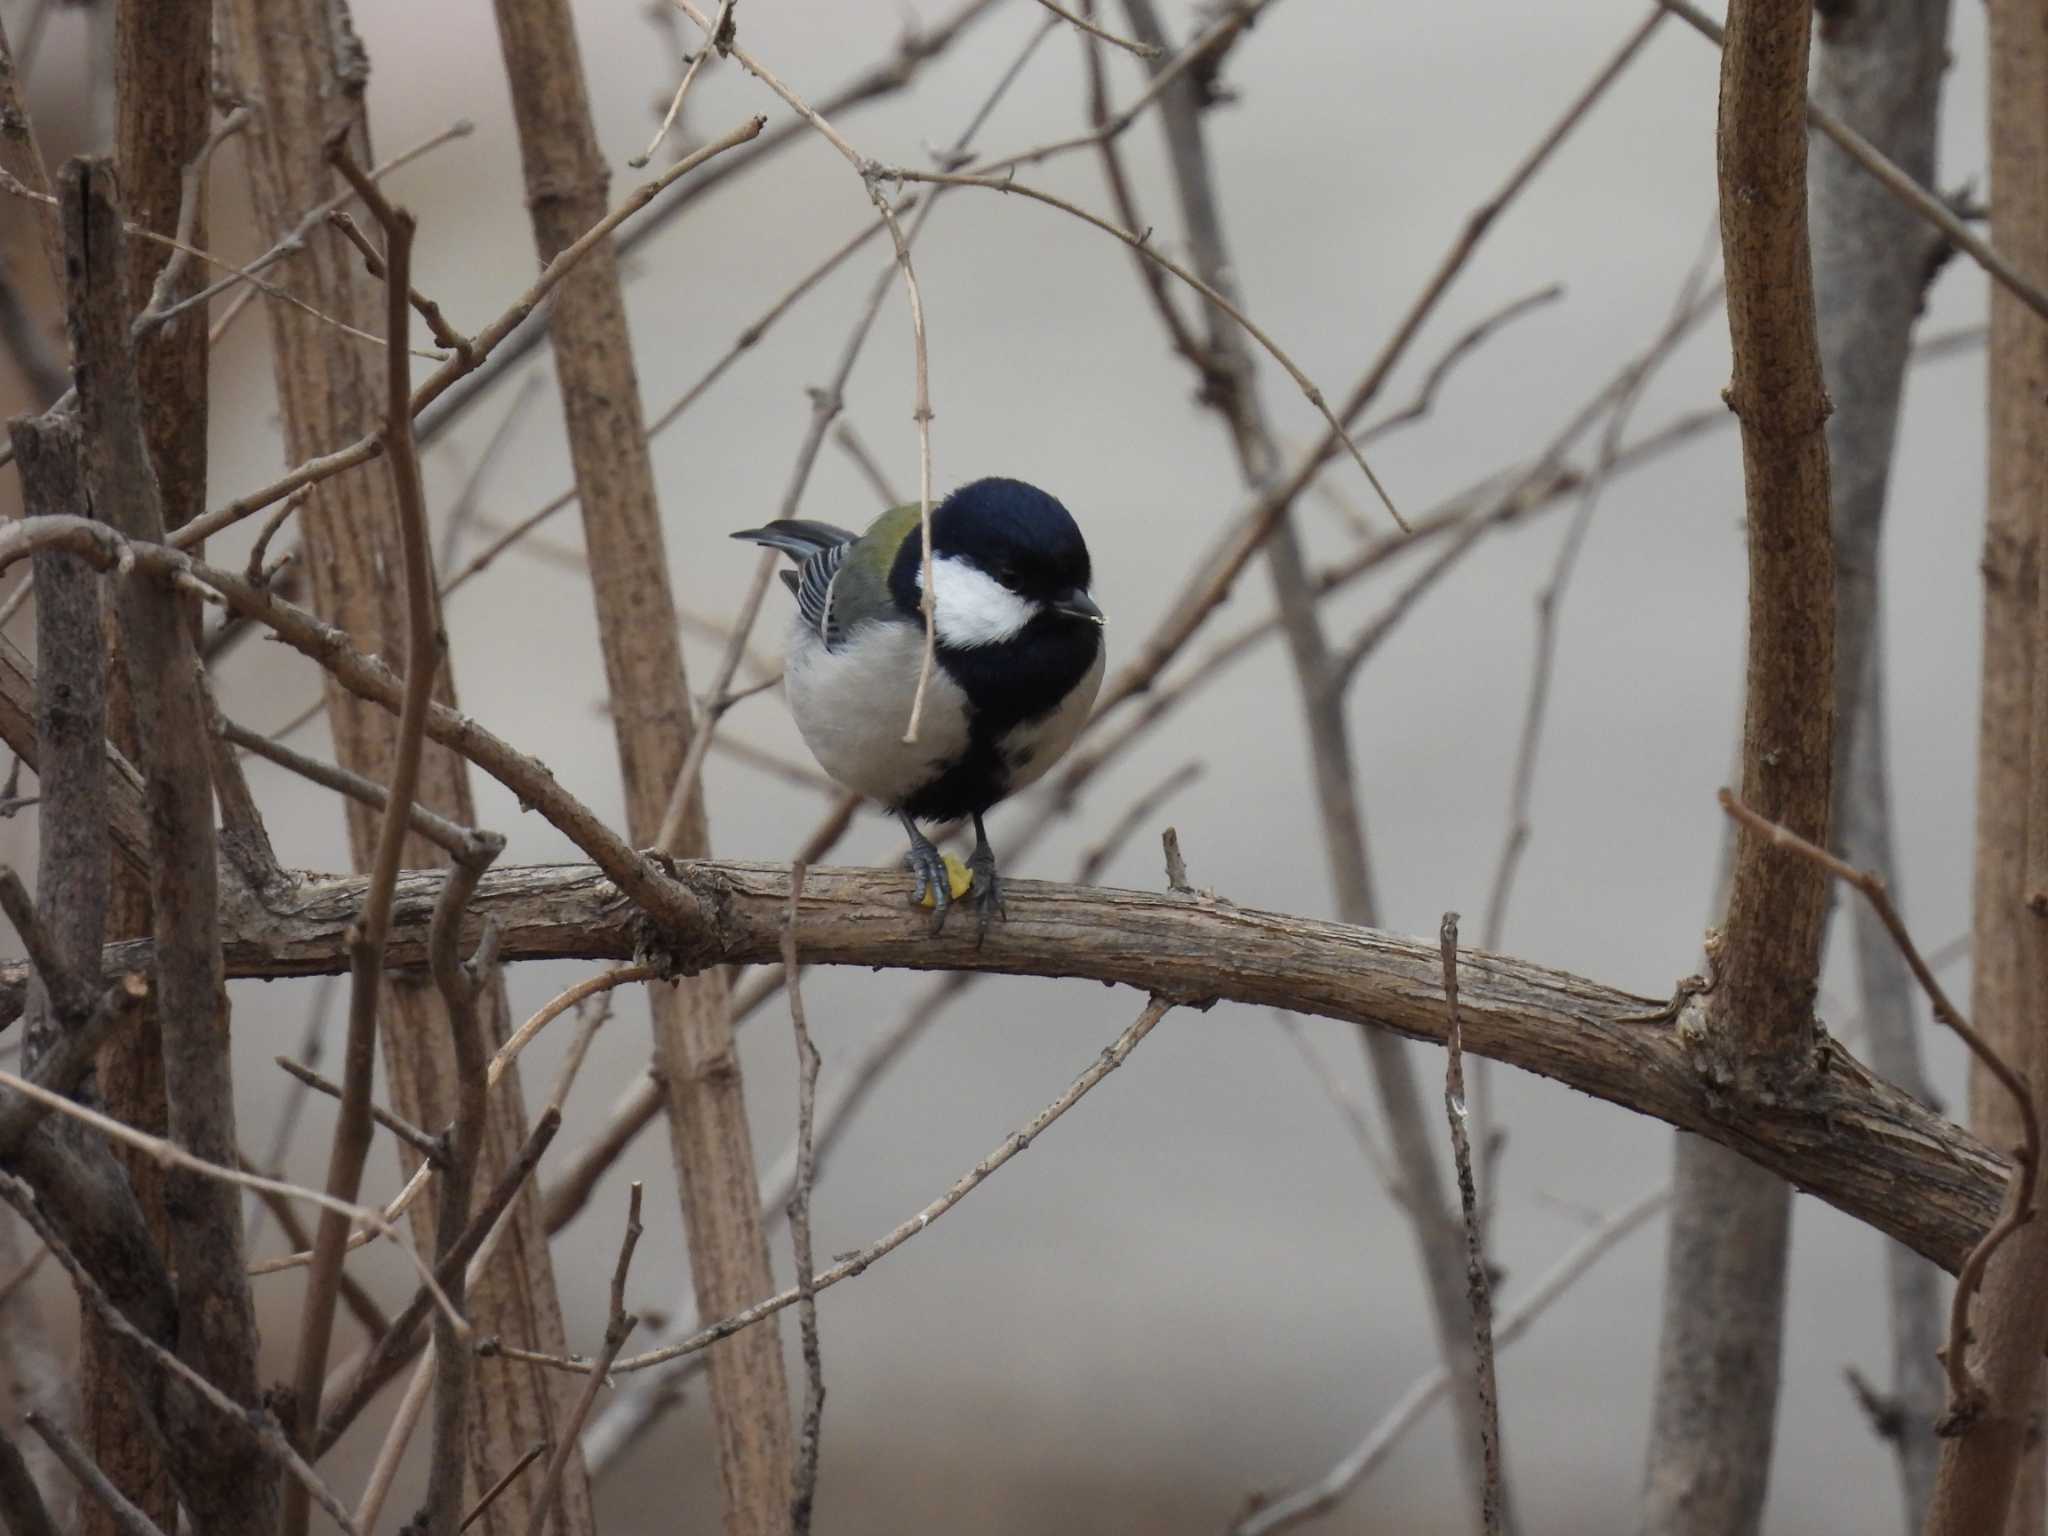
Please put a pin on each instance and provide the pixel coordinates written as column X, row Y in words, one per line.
column 988, row 885
column 924, row 862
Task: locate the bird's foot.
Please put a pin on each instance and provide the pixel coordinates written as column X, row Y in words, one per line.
column 934, row 881
column 988, row 889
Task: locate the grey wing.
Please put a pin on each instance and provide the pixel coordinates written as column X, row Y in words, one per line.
column 813, row 585
column 818, row 549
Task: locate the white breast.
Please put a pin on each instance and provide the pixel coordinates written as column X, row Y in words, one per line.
column 852, row 706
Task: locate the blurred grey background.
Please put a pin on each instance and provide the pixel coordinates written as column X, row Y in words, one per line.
column 1193, row 1288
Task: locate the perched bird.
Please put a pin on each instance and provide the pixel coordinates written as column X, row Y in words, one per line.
column 1019, row 659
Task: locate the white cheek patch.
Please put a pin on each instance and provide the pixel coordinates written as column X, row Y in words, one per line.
column 973, row 607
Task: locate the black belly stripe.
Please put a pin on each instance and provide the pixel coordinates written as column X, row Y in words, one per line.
column 1024, row 679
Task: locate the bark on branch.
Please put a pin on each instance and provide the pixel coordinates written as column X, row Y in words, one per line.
column 1841, row 1133
column 1777, row 909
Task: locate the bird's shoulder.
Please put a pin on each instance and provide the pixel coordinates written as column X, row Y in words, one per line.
column 849, row 584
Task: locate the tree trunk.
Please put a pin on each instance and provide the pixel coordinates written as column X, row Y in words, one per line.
column 292, row 65
column 1879, row 67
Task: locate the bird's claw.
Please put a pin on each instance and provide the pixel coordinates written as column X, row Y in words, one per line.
column 933, row 881
column 988, row 890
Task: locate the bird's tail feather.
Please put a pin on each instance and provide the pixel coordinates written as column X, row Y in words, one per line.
column 797, row 537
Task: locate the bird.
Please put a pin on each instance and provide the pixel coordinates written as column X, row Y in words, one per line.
column 1019, row 657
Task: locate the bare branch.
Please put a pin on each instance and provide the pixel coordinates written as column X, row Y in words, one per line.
column 1846, row 1136
column 460, row 842
column 533, row 1453
column 808, row 1062
column 1478, row 1293
column 461, row 986
column 429, row 312
column 429, row 1148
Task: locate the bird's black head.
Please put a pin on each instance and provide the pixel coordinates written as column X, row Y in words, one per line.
column 1015, row 533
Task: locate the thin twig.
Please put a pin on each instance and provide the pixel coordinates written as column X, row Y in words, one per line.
column 373, row 263
column 1478, row 1290
column 25, row 1513
column 191, row 198
column 58, row 1073
column 1544, row 659
column 1142, row 50
column 312, row 1046
column 258, row 567
column 534, row 1452
column 617, row 1330
column 917, row 45
column 1203, row 54
column 808, row 1062
column 676, row 813
column 462, row 510
column 384, row 1469
column 720, row 41
column 459, row 841
column 423, row 646
column 858, row 1262
column 1543, row 665
column 640, row 1403
column 428, row 1147
column 1347, row 1105
column 19, row 907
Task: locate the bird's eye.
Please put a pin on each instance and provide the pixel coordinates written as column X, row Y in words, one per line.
column 1007, row 575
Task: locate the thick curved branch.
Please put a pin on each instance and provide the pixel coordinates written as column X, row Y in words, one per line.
column 1840, row 1133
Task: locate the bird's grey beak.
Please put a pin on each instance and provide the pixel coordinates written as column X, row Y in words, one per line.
column 1079, row 604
